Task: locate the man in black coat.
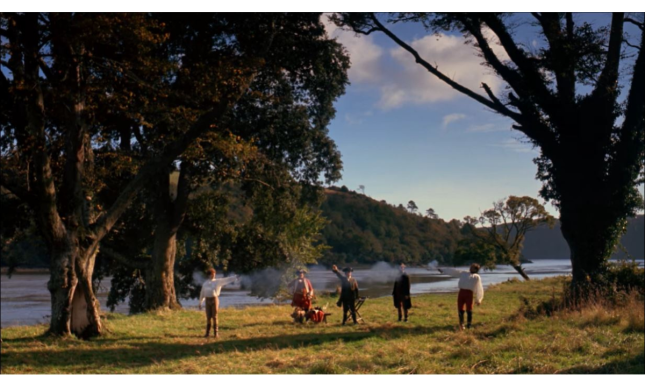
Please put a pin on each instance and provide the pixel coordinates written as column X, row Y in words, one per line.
column 401, row 293
column 348, row 293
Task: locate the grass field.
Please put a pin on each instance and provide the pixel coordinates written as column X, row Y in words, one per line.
column 263, row 339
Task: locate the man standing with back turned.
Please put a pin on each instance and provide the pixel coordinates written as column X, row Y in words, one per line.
column 470, row 290
column 210, row 292
column 401, row 293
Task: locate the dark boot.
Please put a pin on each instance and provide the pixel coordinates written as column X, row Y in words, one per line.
column 400, row 315
column 470, row 318
column 406, row 316
column 208, row 330
column 461, row 319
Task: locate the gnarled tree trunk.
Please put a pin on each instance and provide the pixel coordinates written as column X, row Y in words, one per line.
column 160, row 278
column 86, row 318
column 62, row 285
column 590, row 243
column 75, row 308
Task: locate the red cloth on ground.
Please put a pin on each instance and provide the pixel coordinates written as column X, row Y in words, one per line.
column 465, row 299
column 317, row 315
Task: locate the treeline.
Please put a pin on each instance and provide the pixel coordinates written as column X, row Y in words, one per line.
column 363, row 230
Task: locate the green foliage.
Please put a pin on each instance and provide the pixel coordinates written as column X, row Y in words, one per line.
column 253, row 178
column 363, row 230
column 476, row 250
column 626, row 276
column 500, row 240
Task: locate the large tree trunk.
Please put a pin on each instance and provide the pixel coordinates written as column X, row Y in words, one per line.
column 160, row 279
column 591, row 231
column 75, row 308
column 62, row 285
column 589, row 242
column 86, row 318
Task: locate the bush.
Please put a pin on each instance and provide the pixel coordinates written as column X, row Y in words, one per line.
column 626, row 277
column 547, row 308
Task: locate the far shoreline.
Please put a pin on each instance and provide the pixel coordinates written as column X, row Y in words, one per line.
column 25, row 270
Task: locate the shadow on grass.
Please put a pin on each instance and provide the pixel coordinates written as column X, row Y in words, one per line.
column 274, row 323
column 634, row 365
column 141, row 354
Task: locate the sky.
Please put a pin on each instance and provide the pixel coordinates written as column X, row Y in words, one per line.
column 405, row 135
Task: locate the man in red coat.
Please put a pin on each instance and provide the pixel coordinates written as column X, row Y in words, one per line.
column 302, row 291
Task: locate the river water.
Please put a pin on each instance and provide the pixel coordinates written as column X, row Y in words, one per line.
column 25, row 299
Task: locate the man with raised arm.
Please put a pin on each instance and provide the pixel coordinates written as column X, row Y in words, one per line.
column 348, row 293
column 210, row 293
column 470, row 289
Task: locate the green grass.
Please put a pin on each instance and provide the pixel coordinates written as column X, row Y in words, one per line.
column 263, row 340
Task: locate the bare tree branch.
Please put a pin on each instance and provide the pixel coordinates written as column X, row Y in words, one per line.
column 631, row 146
column 49, row 218
column 533, row 80
column 46, row 70
column 183, row 193
column 565, row 69
column 634, row 22
column 608, row 81
column 436, row 72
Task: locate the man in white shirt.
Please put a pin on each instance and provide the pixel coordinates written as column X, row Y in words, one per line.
column 210, row 293
column 470, row 289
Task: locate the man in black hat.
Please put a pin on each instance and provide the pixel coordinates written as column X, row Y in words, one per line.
column 401, row 293
column 348, row 293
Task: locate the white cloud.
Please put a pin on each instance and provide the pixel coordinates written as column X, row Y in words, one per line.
column 364, row 54
column 486, row 128
column 452, row 118
column 415, row 85
column 408, row 82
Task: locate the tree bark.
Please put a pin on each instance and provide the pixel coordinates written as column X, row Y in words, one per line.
column 160, row 278
column 589, row 242
column 62, row 285
column 75, row 308
column 86, row 320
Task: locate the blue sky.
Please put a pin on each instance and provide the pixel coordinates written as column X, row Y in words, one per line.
column 405, row 135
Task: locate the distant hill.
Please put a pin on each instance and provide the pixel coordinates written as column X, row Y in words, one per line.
column 543, row 243
column 364, row 230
